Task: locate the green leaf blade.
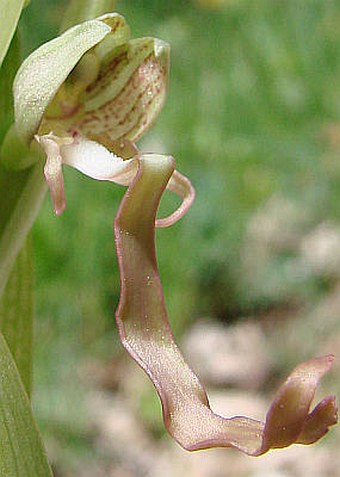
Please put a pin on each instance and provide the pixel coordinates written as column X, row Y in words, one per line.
column 10, row 13
column 7, row 73
column 21, row 449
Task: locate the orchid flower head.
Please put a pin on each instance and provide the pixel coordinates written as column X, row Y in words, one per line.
column 87, row 96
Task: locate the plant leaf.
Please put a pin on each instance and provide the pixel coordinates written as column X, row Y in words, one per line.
column 145, row 333
column 21, row 450
column 10, row 14
column 16, row 313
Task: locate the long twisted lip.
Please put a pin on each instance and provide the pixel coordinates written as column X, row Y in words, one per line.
column 146, row 335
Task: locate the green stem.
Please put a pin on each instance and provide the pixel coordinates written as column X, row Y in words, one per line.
column 22, row 210
column 21, row 194
column 20, row 199
column 16, row 313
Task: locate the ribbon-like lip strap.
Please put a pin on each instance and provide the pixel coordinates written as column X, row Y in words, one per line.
column 146, row 335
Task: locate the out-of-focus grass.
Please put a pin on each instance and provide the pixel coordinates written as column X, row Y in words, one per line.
column 254, row 97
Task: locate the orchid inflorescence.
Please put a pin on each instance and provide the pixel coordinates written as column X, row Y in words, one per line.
column 84, row 99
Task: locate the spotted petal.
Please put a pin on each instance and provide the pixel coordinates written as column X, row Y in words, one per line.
column 129, row 92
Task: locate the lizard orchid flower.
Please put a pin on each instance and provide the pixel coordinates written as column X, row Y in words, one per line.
column 87, row 96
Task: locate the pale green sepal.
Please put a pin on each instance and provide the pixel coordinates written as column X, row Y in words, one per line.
column 44, row 71
column 17, row 313
column 22, row 453
column 10, row 13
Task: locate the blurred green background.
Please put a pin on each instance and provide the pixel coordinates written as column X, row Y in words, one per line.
column 252, row 118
